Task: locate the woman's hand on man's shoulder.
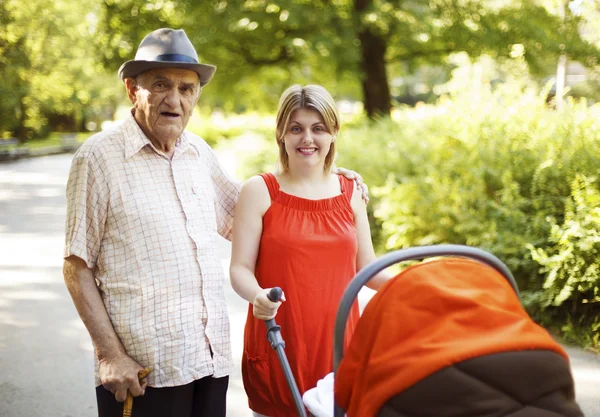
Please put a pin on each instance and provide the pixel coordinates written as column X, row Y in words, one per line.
column 358, row 180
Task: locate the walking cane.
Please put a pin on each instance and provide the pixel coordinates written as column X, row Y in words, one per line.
column 128, row 405
column 277, row 343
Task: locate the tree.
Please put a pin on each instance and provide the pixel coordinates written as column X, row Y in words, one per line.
column 12, row 59
column 341, row 40
column 50, row 77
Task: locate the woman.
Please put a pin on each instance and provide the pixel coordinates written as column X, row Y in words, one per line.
column 305, row 230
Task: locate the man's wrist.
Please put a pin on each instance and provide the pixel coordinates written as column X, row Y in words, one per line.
column 108, row 354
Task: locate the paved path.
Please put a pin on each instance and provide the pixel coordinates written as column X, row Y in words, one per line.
column 45, row 352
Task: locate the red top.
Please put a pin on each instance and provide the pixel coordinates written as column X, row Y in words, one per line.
column 308, row 248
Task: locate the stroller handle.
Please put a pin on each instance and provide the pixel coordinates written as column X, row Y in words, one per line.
column 410, row 254
column 278, row 344
column 275, row 294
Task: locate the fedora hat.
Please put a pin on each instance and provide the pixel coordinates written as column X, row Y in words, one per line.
column 166, row 48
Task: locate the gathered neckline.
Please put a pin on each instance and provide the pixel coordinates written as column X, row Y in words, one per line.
column 339, row 201
column 301, row 203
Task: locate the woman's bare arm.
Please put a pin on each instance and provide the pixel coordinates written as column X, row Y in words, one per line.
column 253, row 202
column 366, row 253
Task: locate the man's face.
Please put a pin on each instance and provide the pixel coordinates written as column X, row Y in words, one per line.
column 164, row 100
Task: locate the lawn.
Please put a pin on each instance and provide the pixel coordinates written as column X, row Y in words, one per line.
column 55, row 139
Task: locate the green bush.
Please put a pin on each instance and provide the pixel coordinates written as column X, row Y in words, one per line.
column 504, row 174
column 570, row 264
column 569, row 260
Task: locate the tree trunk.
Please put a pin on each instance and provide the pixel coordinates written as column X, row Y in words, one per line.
column 82, row 124
column 376, row 91
column 21, row 113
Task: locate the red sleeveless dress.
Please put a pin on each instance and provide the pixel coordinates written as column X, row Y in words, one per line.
column 308, row 248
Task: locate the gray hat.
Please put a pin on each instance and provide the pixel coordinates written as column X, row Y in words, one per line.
column 166, row 48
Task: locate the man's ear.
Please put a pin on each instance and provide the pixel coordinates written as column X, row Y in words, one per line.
column 198, row 94
column 132, row 87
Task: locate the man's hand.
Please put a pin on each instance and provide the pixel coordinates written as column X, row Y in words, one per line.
column 351, row 175
column 120, row 374
column 263, row 308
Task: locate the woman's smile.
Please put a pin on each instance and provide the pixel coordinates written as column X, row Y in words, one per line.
column 307, row 151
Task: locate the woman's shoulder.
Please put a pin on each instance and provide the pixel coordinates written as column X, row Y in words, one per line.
column 255, row 194
column 255, row 183
column 258, row 185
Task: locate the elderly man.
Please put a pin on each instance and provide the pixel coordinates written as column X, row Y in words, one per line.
column 145, row 202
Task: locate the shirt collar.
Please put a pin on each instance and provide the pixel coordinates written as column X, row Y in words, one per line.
column 136, row 139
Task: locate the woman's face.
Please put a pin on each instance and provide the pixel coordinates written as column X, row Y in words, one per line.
column 307, row 139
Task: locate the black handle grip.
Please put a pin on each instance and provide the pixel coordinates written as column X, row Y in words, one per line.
column 273, row 330
column 275, row 294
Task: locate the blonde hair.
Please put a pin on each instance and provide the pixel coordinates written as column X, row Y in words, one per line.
column 313, row 97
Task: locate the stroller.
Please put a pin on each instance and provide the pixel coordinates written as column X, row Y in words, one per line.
column 444, row 338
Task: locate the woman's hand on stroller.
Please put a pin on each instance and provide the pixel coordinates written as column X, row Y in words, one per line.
column 263, row 308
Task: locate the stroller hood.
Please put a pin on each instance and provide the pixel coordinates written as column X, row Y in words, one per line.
column 430, row 317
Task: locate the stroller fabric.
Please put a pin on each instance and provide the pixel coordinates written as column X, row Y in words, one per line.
column 449, row 337
column 319, row 400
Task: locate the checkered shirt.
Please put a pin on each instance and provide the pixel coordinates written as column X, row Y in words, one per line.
column 146, row 226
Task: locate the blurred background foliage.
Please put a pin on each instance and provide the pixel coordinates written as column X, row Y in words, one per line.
column 58, row 58
column 489, row 167
column 455, row 112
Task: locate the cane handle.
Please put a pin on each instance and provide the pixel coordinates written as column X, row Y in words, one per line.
column 128, row 405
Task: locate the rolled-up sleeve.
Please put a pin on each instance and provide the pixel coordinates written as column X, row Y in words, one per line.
column 227, row 191
column 87, row 206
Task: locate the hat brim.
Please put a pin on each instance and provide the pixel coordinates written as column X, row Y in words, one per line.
column 131, row 69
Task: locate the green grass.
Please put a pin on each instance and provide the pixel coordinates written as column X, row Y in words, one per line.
column 53, row 139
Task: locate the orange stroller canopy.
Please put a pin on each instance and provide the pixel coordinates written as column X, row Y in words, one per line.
column 431, row 316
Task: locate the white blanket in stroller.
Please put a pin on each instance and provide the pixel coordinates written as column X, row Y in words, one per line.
column 319, row 400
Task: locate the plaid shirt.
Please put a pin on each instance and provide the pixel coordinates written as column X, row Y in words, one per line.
column 146, row 226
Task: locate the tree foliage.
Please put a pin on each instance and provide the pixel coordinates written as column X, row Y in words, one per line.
column 360, row 43
column 59, row 57
column 50, row 75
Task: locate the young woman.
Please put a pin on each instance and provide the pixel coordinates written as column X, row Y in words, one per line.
column 303, row 229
